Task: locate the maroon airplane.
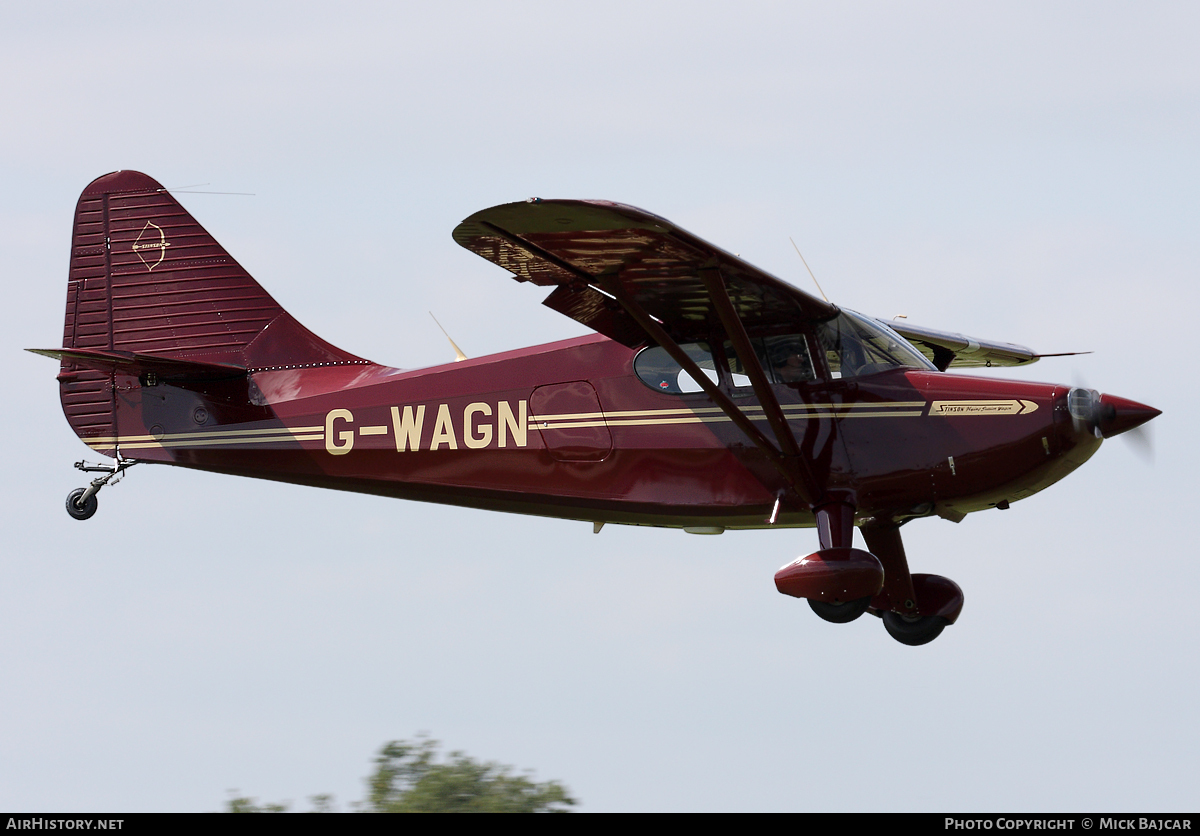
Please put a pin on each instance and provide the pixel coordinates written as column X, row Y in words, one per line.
column 713, row 396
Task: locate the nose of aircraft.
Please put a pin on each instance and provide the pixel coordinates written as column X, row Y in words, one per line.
column 1116, row 415
column 1120, row 414
column 1107, row 415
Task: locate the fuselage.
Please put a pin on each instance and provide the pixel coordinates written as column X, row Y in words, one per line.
column 570, row 430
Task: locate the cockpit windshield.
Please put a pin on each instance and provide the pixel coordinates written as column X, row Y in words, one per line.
column 856, row 345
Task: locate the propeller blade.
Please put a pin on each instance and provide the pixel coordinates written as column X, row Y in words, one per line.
column 1141, row 440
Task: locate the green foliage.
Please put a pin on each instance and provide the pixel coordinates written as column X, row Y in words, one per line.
column 409, row 779
column 244, row 804
column 241, row 804
column 322, row 803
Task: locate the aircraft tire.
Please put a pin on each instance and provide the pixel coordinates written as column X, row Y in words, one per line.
column 913, row 631
column 85, row 511
column 840, row 613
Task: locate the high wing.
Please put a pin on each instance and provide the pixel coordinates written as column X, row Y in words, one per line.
column 945, row 349
column 580, row 246
column 592, row 251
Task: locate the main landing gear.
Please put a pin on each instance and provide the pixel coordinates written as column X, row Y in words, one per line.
column 913, row 630
column 840, row 612
column 841, row 582
column 82, row 502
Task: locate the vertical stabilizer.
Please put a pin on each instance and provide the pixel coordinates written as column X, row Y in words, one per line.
column 147, row 279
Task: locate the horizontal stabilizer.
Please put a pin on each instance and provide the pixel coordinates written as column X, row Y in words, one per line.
column 129, row 363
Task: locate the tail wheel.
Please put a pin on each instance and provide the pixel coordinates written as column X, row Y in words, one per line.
column 840, row 613
column 914, row 630
column 81, row 511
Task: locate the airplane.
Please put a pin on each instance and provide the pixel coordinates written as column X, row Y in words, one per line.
column 712, row 396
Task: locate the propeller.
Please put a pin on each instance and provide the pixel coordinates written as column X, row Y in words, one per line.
column 1105, row 416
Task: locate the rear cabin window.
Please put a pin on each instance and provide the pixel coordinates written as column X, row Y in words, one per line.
column 658, row 370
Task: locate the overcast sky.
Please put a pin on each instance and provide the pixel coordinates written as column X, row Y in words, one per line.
column 1024, row 172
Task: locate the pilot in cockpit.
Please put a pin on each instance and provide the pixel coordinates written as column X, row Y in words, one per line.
column 791, row 362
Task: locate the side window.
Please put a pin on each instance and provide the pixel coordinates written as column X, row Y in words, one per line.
column 656, row 368
column 785, row 359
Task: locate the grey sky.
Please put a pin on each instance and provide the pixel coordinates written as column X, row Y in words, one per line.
column 1024, row 172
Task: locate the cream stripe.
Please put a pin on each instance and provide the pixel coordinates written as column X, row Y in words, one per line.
column 916, row 414
column 184, row 440
column 652, row 422
column 124, row 439
column 630, row 413
column 215, row 442
column 568, row 425
column 853, row 406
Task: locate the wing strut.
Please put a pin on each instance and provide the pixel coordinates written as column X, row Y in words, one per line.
column 785, row 459
column 660, row 336
column 796, row 463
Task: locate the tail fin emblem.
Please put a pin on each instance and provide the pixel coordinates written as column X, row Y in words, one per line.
column 140, row 246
